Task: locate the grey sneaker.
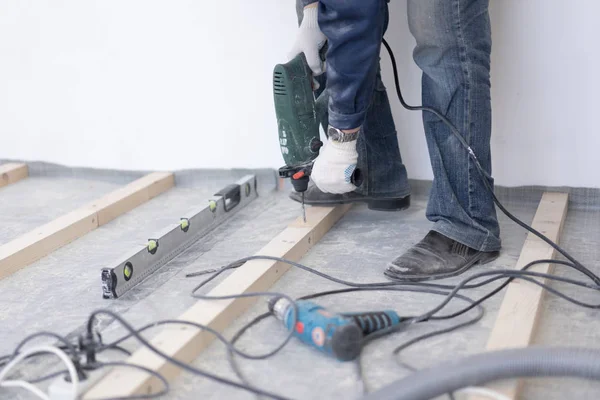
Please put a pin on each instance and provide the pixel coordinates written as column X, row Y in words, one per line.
column 436, row 257
column 314, row 196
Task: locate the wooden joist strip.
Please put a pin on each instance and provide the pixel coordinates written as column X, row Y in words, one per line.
column 518, row 315
column 186, row 343
column 35, row 244
column 131, row 196
column 11, row 173
column 43, row 240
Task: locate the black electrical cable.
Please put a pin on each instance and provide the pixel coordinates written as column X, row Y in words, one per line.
column 499, row 288
column 129, row 335
column 503, row 285
column 250, row 295
column 295, row 264
column 501, row 274
column 157, row 375
column 431, row 315
column 64, row 371
column 522, row 274
column 231, row 350
column 497, row 274
column 231, row 355
column 217, row 334
column 175, row 361
column 120, row 349
column 509, row 275
column 483, row 282
column 237, row 370
column 49, row 376
column 68, row 347
column 518, row 274
column 398, row 286
column 373, row 337
column 484, row 175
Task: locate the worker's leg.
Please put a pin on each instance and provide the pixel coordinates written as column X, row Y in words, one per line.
column 379, row 153
column 361, row 100
column 453, row 50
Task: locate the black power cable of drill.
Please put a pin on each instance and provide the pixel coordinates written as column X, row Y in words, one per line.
column 512, row 274
column 425, row 287
column 237, row 370
column 463, row 285
column 453, row 290
column 484, row 175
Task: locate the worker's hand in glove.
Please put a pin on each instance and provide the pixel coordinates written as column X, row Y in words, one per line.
column 310, row 40
column 333, row 168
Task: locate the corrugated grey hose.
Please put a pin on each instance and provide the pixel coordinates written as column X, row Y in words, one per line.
column 488, row 367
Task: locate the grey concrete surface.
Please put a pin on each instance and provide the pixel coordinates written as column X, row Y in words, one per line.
column 34, row 201
column 357, row 249
column 58, row 292
column 65, row 286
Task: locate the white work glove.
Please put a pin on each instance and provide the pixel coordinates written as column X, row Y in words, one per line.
column 310, row 40
column 333, row 168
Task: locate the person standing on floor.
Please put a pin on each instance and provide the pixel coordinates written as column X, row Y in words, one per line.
column 453, row 51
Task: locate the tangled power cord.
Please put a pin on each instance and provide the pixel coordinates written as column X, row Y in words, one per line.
column 80, row 356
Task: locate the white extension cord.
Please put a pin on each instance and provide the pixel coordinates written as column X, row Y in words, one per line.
column 28, row 386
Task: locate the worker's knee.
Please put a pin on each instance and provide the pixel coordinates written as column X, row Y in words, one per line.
column 430, row 22
column 448, row 33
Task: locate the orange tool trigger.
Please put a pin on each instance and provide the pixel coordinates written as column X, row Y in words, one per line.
column 298, row 175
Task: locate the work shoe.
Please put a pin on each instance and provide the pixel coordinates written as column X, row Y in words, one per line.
column 314, row 196
column 436, row 257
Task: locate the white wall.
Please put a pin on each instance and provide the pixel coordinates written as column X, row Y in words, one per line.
column 186, row 84
column 141, row 83
column 545, row 86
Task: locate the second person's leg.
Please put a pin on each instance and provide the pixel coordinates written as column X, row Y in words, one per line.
column 453, row 50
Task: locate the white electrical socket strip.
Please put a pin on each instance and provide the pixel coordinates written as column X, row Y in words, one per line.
column 60, row 389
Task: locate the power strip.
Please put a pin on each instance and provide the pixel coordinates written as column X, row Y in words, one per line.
column 60, row 388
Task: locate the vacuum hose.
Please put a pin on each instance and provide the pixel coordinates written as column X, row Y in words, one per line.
column 483, row 368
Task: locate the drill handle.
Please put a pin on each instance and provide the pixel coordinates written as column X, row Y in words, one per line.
column 374, row 321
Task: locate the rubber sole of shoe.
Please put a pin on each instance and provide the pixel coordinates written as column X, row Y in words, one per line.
column 395, row 204
column 481, row 259
column 389, row 204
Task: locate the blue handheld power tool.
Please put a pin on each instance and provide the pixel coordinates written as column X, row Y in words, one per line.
column 338, row 335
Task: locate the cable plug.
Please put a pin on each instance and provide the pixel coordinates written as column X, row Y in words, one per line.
column 89, row 345
column 81, row 375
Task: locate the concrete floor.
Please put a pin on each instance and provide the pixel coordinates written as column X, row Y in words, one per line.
column 58, row 292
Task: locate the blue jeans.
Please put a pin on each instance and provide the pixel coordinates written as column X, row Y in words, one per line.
column 453, row 51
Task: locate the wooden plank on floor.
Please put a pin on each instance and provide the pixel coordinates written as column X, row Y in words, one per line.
column 131, row 196
column 518, row 315
column 186, row 343
column 12, row 172
column 43, row 240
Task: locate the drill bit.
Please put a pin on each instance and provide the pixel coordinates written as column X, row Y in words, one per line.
column 303, row 209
